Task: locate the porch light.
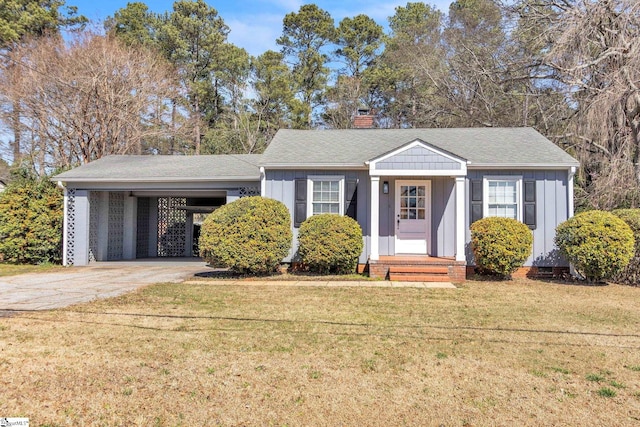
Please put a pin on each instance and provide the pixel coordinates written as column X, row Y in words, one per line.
column 385, row 187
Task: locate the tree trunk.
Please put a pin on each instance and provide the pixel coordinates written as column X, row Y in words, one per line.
column 197, row 125
column 17, row 132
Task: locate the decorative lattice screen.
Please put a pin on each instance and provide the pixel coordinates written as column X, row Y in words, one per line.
column 94, row 224
column 172, row 230
column 116, row 226
column 248, row 191
column 142, row 233
column 71, row 225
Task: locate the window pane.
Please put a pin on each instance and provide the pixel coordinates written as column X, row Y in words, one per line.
column 326, row 197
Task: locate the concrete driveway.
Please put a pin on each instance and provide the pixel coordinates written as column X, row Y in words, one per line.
column 43, row 291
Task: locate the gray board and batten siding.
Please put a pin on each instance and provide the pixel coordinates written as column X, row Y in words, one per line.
column 281, row 185
column 418, row 158
column 551, row 208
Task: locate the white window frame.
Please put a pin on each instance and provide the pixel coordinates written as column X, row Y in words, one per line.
column 509, row 178
column 316, row 178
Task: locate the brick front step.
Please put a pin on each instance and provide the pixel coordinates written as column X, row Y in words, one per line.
column 405, row 268
column 427, row 269
column 418, row 278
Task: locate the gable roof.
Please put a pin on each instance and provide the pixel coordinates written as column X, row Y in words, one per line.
column 480, row 147
column 227, row 167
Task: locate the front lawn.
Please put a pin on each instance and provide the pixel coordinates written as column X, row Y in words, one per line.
column 14, row 269
column 508, row 353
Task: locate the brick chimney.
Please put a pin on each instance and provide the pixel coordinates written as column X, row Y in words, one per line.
column 363, row 119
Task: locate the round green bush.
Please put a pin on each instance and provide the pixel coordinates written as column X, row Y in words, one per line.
column 250, row 235
column 330, row 243
column 630, row 275
column 31, row 219
column 597, row 243
column 500, row 245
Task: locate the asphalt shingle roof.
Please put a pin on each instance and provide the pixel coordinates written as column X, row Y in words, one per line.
column 168, row 168
column 517, row 147
column 354, row 147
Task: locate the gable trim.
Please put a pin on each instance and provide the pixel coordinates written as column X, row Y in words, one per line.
column 462, row 171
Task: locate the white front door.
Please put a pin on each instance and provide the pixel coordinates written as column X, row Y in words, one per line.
column 413, row 216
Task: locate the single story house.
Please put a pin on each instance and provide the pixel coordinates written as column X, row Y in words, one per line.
column 3, row 185
column 414, row 192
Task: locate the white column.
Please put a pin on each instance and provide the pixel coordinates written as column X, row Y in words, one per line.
column 263, row 182
column 81, row 228
column 570, row 206
column 375, row 218
column 461, row 210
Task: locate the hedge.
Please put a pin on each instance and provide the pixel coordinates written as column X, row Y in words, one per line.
column 31, row 220
column 330, row 243
column 250, row 235
column 500, row 245
column 597, row 243
column 630, row 275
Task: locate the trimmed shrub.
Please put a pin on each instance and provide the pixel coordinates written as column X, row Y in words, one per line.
column 330, row 243
column 250, row 235
column 597, row 243
column 630, row 275
column 500, row 245
column 31, row 220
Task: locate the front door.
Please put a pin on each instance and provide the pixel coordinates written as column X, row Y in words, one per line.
column 413, row 216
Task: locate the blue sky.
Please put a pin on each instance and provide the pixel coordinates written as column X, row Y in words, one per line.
column 256, row 24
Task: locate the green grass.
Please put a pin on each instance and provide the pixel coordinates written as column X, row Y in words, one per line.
column 15, row 269
column 606, row 392
column 595, row 378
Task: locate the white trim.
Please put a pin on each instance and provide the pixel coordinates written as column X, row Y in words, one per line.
column 315, row 166
column 88, row 179
column 519, row 166
column 461, row 210
column 418, row 143
column 485, row 192
column 263, row 182
column 417, row 172
column 374, row 253
column 570, row 183
column 313, row 178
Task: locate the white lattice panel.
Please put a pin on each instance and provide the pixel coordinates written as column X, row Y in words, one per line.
column 71, row 226
column 116, row 226
column 248, row 191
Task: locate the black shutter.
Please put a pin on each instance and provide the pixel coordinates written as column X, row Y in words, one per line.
column 351, row 199
column 529, row 210
column 300, row 209
column 476, row 201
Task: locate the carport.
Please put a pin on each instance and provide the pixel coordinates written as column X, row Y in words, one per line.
column 133, row 207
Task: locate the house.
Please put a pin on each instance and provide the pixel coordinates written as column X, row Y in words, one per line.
column 414, row 192
column 3, row 185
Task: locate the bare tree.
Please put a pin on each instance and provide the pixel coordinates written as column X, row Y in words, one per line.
column 90, row 97
column 593, row 51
